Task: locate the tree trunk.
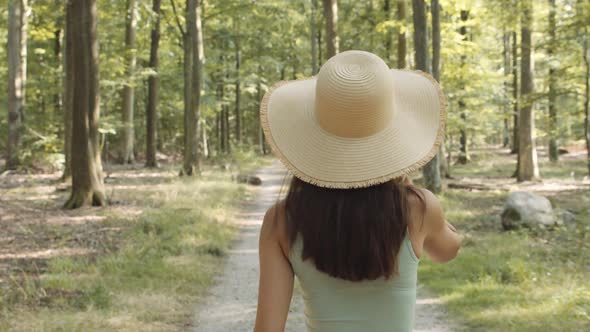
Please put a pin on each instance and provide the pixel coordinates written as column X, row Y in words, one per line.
column 313, row 39
column 527, row 153
column 463, row 148
column 204, row 139
column 506, row 104
column 153, row 83
column 401, row 35
column 68, row 94
column 388, row 41
column 57, row 97
column 261, row 142
column 188, row 88
column 515, row 94
column 194, row 56
column 553, row 155
column 87, row 179
column 435, row 10
column 127, row 142
column 587, row 95
column 17, row 78
column 431, row 171
column 226, row 132
column 331, row 17
column 237, row 105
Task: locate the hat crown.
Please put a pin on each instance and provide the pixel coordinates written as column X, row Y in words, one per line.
column 354, row 95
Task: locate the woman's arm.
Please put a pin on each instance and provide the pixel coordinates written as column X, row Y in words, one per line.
column 442, row 241
column 276, row 277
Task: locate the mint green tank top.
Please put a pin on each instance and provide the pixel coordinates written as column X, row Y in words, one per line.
column 338, row 305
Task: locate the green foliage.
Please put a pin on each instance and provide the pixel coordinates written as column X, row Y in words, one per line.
column 274, row 42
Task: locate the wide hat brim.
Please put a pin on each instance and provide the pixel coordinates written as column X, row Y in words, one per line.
column 314, row 155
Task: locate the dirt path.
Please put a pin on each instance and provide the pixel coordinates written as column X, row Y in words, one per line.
column 231, row 303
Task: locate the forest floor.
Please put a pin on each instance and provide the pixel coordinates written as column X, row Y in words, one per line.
column 522, row 280
column 138, row 264
column 110, row 268
column 231, row 303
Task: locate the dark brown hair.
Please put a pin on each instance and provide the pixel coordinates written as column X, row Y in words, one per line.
column 352, row 234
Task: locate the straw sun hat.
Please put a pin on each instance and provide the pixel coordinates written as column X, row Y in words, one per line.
column 357, row 124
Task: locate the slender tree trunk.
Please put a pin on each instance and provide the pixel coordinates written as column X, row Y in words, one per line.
column 388, row 38
column 188, row 89
column 463, row 148
column 68, row 94
column 238, row 114
column 331, row 17
column 506, row 104
column 57, row 97
column 127, row 143
column 515, row 94
column 431, row 171
column 313, row 38
column 527, row 153
column 401, row 35
column 320, row 55
column 587, row 95
column 153, row 86
column 435, row 11
column 87, row 179
column 17, row 77
column 204, row 138
column 227, row 130
column 553, row 155
column 195, row 52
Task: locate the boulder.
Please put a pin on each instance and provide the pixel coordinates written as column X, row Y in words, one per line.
column 527, row 209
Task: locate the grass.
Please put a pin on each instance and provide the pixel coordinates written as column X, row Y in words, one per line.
column 165, row 258
column 523, row 280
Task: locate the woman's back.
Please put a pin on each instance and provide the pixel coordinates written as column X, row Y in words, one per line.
column 333, row 304
column 352, row 225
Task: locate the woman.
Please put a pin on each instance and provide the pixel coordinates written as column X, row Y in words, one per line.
column 352, row 227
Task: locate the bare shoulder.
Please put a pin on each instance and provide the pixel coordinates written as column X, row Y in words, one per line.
column 426, row 211
column 274, row 225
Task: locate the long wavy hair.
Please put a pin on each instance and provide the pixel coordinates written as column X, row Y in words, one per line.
column 351, row 234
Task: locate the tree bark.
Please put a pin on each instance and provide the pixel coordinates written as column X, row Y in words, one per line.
column 463, row 157
column 126, row 153
column 431, row 171
column 68, row 94
column 313, row 38
column 435, row 11
column 153, row 86
column 237, row 105
column 527, row 153
column 57, row 97
column 553, row 154
column 17, row 78
column 261, row 142
column 506, row 104
column 515, row 94
column 401, row 35
column 388, row 41
column 194, row 57
column 331, row 17
column 87, row 179
column 586, row 48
